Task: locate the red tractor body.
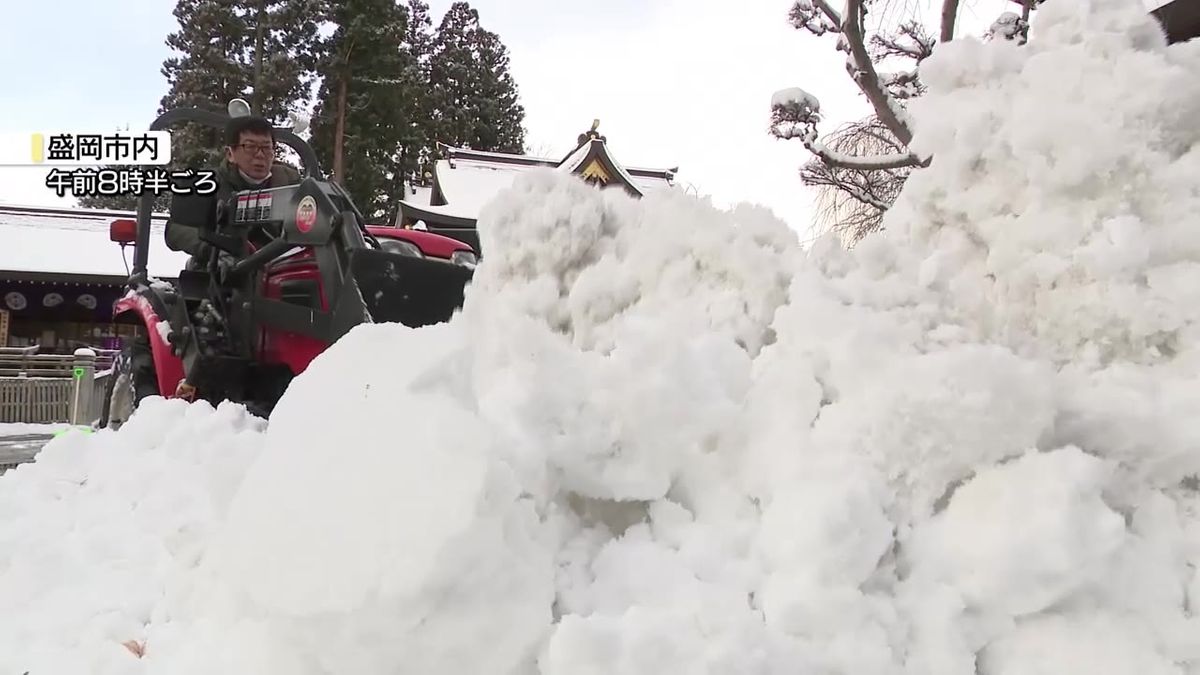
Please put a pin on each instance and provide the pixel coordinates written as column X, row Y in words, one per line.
column 300, row 267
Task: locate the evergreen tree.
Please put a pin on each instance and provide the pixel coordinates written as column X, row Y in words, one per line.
column 363, row 120
column 261, row 50
column 284, row 53
column 474, row 96
column 417, row 156
column 419, row 34
column 207, row 73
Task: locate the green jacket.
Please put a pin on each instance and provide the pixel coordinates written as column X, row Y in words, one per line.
column 185, row 238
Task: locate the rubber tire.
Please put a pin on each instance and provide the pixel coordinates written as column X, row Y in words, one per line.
column 134, row 370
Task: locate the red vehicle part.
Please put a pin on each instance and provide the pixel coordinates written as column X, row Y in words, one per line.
column 320, row 271
column 167, row 366
column 294, row 278
column 432, row 245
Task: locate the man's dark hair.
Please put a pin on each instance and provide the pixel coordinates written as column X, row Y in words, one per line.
column 255, row 125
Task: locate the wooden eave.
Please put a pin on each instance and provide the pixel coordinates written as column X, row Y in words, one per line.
column 436, row 196
column 609, row 173
column 498, row 158
column 64, row 278
column 1180, row 19
column 414, row 213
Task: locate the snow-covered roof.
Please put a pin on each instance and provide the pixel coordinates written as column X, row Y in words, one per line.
column 468, row 153
column 469, row 185
column 76, row 242
column 598, row 148
column 648, row 184
column 469, row 179
column 573, row 160
column 419, row 195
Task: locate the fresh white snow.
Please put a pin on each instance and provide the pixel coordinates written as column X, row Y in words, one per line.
column 74, row 241
column 27, row 428
column 661, row 438
column 795, row 96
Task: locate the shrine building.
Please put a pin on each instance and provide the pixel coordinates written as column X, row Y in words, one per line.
column 464, row 180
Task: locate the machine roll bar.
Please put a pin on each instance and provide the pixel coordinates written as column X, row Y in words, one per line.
column 310, row 166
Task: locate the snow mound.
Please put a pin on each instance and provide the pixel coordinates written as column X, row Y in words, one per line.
column 661, row 439
column 94, row 531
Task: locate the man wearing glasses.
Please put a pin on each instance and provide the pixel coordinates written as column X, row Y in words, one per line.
column 249, row 163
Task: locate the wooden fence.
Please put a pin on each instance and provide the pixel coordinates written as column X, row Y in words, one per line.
column 50, row 389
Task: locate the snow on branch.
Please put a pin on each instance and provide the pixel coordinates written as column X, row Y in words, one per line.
column 1009, row 26
column 820, row 174
column 911, row 41
column 862, row 70
column 860, row 162
column 815, row 16
column 795, row 114
column 903, row 85
column 851, row 201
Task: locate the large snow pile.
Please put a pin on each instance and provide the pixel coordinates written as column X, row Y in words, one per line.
column 659, row 439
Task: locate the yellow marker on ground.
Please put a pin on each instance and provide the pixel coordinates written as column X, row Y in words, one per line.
column 37, row 145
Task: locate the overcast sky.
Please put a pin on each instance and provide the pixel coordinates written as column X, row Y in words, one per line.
column 675, row 83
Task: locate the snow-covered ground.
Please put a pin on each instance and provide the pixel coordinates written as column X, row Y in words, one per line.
column 663, row 439
column 8, row 429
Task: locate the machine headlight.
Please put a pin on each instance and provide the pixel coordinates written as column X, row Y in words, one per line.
column 464, row 258
column 402, row 247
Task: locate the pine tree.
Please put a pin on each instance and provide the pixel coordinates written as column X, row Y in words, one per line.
column 261, row 50
column 209, row 72
column 419, row 34
column 363, row 120
column 475, row 98
column 417, row 155
column 284, row 53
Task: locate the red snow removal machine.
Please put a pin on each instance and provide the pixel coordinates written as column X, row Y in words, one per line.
column 298, row 267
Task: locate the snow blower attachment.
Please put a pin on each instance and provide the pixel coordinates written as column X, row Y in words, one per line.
column 295, row 269
column 294, row 260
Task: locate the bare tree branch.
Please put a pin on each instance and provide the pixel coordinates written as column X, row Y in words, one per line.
column 911, row 41
column 819, row 20
column 829, row 11
column 818, row 174
column 949, row 15
column 795, row 114
column 861, row 168
column 862, row 71
column 860, row 162
column 852, row 202
column 904, row 85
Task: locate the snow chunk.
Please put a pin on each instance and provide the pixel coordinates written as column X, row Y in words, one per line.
column 392, row 520
column 661, row 438
column 94, row 530
column 795, row 97
column 1037, row 525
